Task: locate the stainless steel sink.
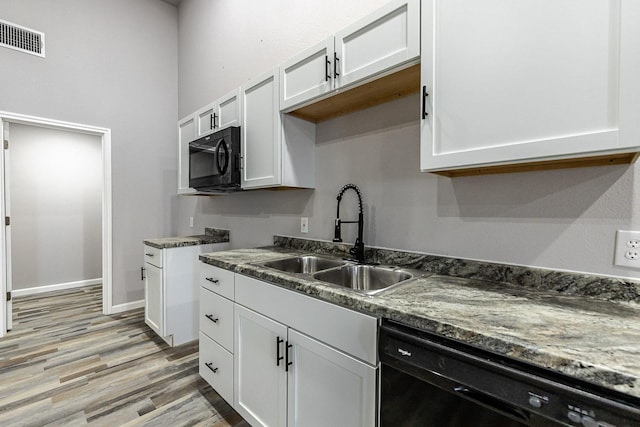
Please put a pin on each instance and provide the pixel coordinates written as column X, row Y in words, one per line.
column 308, row 264
column 364, row 278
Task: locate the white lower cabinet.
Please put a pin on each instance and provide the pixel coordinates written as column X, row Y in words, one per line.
column 260, row 376
column 327, row 387
column 171, row 290
column 154, row 297
column 288, row 377
column 216, row 329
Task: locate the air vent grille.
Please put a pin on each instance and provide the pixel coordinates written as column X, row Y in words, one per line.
column 20, row 38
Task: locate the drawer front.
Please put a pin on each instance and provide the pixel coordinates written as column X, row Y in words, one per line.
column 217, row 280
column 216, row 367
column 153, row 256
column 216, row 318
column 349, row 331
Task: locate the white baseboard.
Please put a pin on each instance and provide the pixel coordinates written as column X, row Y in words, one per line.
column 56, row 287
column 127, row 306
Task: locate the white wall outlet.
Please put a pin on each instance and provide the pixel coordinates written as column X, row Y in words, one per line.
column 627, row 249
column 304, row 224
column 190, row 222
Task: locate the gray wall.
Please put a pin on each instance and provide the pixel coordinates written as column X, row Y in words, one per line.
column 562, row 219
column 113, row 64
column 56, row 206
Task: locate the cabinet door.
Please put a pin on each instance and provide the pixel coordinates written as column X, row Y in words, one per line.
column 154, row 299
column 383, row 40
column 260, row 386
column 527, row 80
column 261, row 148
column 205, row 120
column 227, row 110
column 186, row 134
column 307, row 75
column 327, row 387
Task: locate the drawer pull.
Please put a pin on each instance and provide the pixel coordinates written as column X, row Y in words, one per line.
column 149, row 255
column 212, row 280
column 287, row 363
column 210, row 317
column 278, row 357
column 209, row 365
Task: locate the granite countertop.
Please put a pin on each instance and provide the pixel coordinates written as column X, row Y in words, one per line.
column 594, row 340
column 211, row 235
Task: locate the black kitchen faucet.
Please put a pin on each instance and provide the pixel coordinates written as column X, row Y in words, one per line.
column 358, row 247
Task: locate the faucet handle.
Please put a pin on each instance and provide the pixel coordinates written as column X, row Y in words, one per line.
column 337, row 234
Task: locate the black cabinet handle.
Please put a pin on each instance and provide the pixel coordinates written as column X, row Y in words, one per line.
column 211, row 122
column 424, row 102
column 335, row 65
column 278, row 357
column 212, row 280
column 142, row 273
column 215, row 125
column 210, row 317
column 209, row 365
column 327, row 64
column 149, row 255
column 287, row 363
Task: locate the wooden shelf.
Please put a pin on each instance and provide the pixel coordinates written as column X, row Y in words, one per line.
column 384, row 89
column 611, row 159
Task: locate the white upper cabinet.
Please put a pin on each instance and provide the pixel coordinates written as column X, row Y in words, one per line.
column 277, row 150
column 528, row 81
column 260, row 133
column 186, row 134
column 308, row 75
column 222, row 113
column 382, row 41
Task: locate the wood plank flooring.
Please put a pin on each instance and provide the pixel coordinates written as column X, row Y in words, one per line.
column 66, row 364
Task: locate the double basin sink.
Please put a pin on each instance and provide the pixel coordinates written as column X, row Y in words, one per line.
column 368, row 279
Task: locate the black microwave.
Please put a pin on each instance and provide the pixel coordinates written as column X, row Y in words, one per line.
column 214, row 161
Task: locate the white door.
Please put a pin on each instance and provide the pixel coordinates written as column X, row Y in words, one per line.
column 205, row 120
column 227, row 110
column 154, row 299
column 6, row 311
column 261, row 141
column 328, row 387
column 527, row 80
column 186, row 134
column 307, row 75
column 383, row 40
column 260, row 386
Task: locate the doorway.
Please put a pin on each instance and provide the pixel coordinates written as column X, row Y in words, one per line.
column 100, row 213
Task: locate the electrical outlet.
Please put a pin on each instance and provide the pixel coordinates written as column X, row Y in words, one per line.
column 190, row 222
column 627, row 252
column 631, row 255
column 304, row 224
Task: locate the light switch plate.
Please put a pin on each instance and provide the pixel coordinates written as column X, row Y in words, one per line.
column 304, row 224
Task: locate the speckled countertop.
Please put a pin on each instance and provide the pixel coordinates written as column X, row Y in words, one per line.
column 592, row 339
column 211, row 235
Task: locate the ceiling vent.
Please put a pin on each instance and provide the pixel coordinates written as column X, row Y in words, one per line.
column 20, row 38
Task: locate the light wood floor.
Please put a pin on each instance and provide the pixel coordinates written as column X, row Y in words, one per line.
column 65, row 364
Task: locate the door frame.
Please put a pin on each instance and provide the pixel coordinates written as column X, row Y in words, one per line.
column 107, row 228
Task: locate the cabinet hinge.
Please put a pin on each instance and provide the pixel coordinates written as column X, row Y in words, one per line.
column 7, row 220
column 8, row 296
column 6, row 144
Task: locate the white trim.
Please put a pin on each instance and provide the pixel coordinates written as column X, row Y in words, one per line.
column 107, row 228
column 56, row 287
column 127, row 306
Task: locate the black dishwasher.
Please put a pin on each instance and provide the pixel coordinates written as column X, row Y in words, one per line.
column 429, row 380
